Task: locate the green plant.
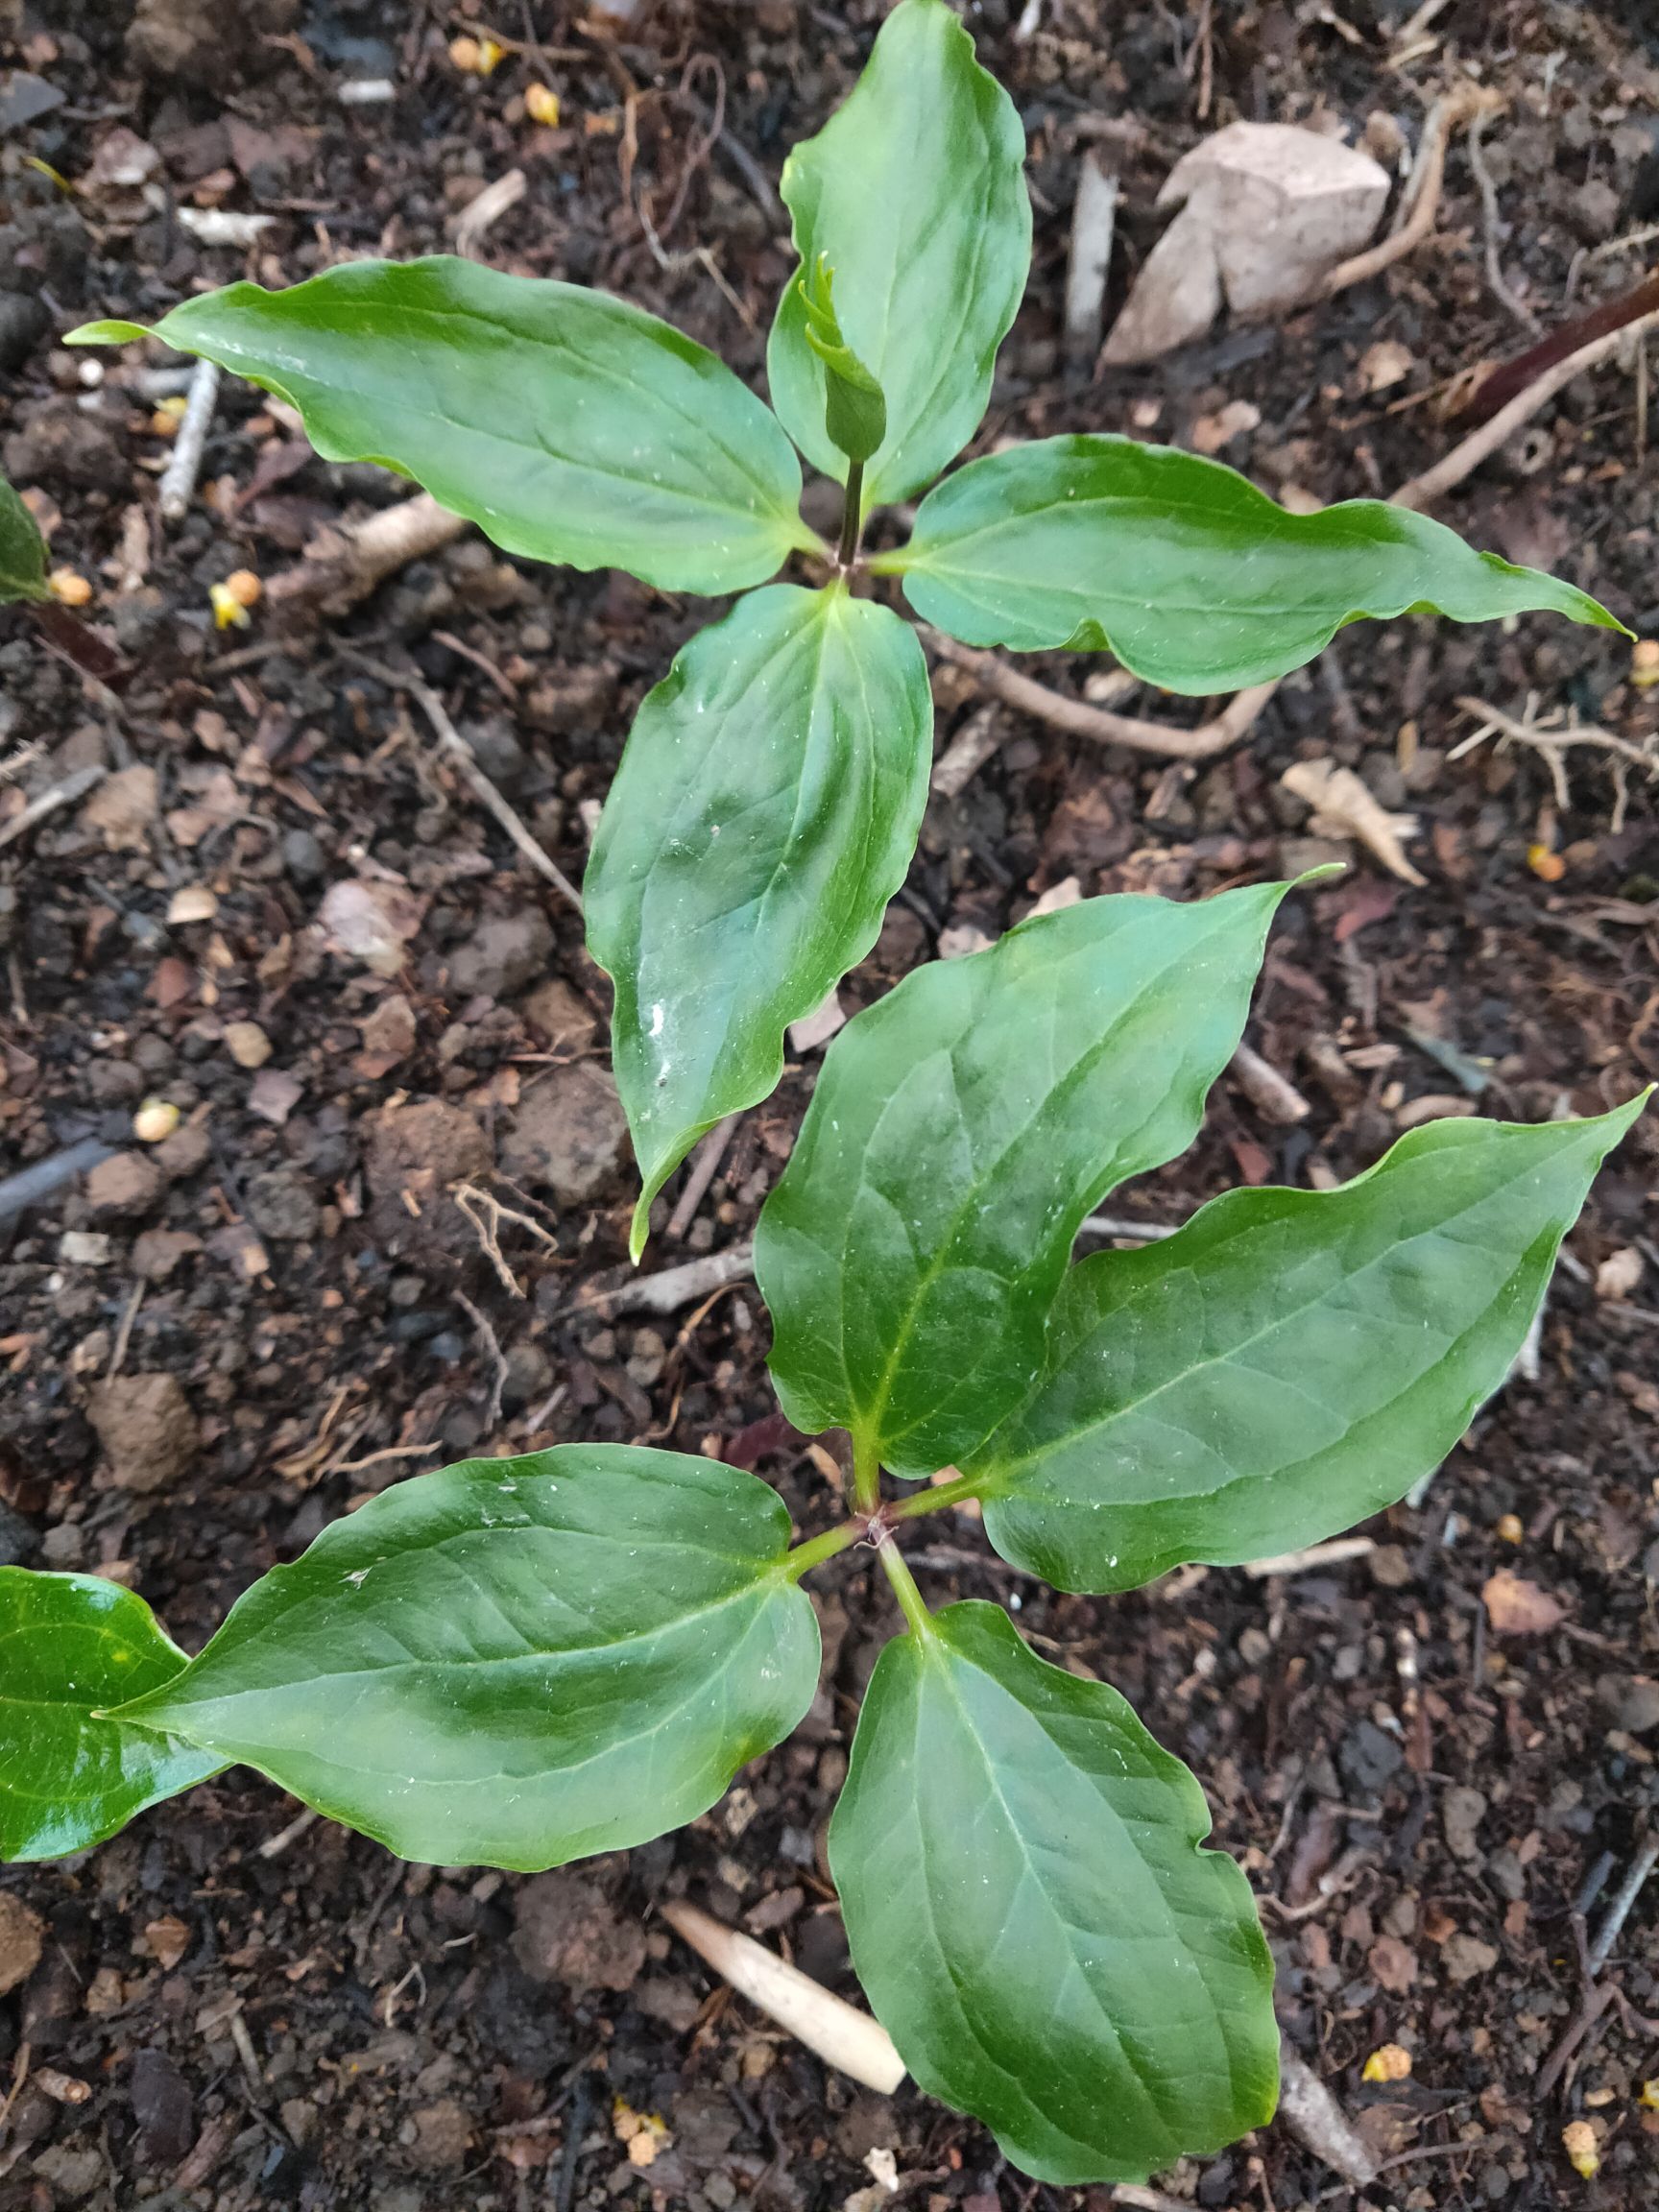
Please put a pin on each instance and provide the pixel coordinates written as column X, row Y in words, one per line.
column 771, row 793
column 519, row 1661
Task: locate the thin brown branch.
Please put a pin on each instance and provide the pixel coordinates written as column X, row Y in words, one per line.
column 1443, row 118
column 466, row 761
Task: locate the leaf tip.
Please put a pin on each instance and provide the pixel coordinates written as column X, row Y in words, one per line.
column 112, row 331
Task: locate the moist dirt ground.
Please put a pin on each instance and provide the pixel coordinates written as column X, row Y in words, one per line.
column 281, row 912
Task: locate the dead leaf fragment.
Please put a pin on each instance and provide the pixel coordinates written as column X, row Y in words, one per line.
column 1343, row 808
column 1620, row 1272
column 1517, row 1607
column 1211, row 432
column 1385, row 364
column 1270, row 211
column 192, row 903
column 370, row 922
column 123, row 808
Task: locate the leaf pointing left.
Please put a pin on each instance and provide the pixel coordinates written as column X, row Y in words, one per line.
column 70, row 1774
column 568, row 426
column 517, row 1662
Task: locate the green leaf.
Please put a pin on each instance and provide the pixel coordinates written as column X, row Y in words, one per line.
column 22, row 551
column 1032, row 1914
column 765, row 811
column 568, row 426
column 961, row 1129
column 914, row 193
column 517, row 1662
column 854, row 408
column 1195, row 580
column 71, row 1645
column 1287, row 1363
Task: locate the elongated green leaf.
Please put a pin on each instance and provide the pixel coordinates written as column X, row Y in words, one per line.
column 567, row 424
column 1194, row 578
column 854, row 406
column 961, row 1129
column 22, row 550
column 517, row 1662
column 765, row 811
column 1288, row 1363
column 1032, row 1914
column 914, row 193
column 70, row 1646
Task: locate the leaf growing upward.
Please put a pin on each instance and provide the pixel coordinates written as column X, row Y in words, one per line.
column 854, row 411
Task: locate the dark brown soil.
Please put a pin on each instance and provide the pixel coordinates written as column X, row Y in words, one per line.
column 259, row 2015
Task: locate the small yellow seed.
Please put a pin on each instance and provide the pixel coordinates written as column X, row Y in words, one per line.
column 1391, row 2063
column 1645, row 662
column 464, row 52
column 155, row 1121
column 542, row 106
column 169, row 414
column 1511, row 1529
column 1578, row 2141
column 490, row 56
column 1549, row 867
column 228, row 611
column 68, row 588
column 244, row 586
column 1649, row 2096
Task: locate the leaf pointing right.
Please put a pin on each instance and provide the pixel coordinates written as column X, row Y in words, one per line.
column 1287, row 1363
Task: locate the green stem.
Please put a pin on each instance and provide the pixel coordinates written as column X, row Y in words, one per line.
column 804, row 1557
column 852, row 514
column 866, row 1474
column 891, row 563
column 955, row 1493
column 911, row 1602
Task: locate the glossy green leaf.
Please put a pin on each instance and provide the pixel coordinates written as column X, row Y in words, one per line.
column 568, row 426
column 70, row 1646
column 1032, row 1917
column 1289, row 1361
column 22, row 550
column 960, row 1131
column 765, row 811
column 517, row 1662
column 1194, row 579
column 915, row 193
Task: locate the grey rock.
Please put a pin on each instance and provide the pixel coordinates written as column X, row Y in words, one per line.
column 1462, row 1813
column 568, row 1133
column 1631, row 1700
column 303, row 857
column 23, row 323
column 18, row 1540
column 1369, row 1758
column 281, row 1207
column 502, row 956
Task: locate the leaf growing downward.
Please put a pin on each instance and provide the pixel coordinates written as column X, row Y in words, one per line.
column 568, row 426
column 70, row 1646
column 516, row 1661
column 914, row 194
column 22, row 550
column 765, row 811
column 1194, row 578
column 962, row 1128
column 1289, row 1361
column 1032, row 1917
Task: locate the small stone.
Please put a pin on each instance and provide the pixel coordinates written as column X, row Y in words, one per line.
column 563, row 1018
column 63, row 1549
column 85, row 1248
column 440, row 2138
column 1369, row 1758
column 19, row 1542
column 566, row 1930
column 155, row 1121
column 247, row 1043
column 122, row 809
column 147, row 1429
column 1467, row 1957
column 568, row 1133
column 422, row 1148
column 73, row 2174
column 303, row 857
column 281, row 1207
column 648, row 1359
column 389, row 1034
column 158, row 1252
column 124, row 1185
column 185, row 1152
column 529, row 1376
column 22, row 1934
column 502, row 956
column 1462, row 1813
column 1632, row 1701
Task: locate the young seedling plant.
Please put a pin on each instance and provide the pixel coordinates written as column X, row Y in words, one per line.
column 522, row 1660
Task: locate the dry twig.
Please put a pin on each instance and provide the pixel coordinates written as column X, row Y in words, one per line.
column 342, row 564
column 185, row 461
column 64, row 794
column 1553, row 736
column 1505, row 297
column 452, row 742
column 1459, row 106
